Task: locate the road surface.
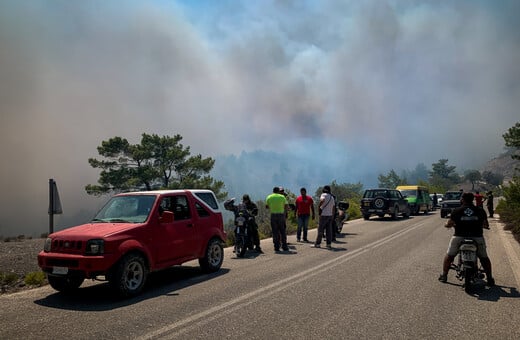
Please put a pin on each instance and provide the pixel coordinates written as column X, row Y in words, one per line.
column 379, row 282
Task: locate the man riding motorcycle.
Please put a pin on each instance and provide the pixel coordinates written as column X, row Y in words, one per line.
column 252, row 209
column 468, row 221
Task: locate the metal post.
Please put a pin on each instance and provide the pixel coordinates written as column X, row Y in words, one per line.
column 51, row 206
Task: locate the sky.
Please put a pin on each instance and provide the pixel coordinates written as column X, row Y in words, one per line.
column 366, row 86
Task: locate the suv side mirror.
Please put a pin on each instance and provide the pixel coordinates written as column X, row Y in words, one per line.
column 166, row 217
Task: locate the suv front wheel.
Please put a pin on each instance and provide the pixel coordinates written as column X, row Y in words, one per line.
column 395, row 214
column 129, row 275
column 214, row 256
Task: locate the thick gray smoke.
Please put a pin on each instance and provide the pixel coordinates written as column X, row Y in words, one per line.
column 359, row 87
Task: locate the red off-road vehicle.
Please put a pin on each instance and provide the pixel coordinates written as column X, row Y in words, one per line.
column 134, row 234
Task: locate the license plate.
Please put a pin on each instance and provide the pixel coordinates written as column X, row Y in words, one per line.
column 60, row 270
column 468, row 256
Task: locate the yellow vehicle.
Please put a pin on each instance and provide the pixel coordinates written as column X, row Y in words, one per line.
column 418, row 198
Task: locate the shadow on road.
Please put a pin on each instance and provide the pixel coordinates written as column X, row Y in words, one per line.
column 496, row 292
column 99, row 297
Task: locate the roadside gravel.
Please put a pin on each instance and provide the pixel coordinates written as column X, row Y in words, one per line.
column 19, row 257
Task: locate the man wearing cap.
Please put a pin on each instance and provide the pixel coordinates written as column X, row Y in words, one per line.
column 278, row 207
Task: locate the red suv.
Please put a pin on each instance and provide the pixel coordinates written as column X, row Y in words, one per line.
column 134, row 234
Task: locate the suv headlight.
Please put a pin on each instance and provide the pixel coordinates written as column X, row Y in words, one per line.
column 95, row 247
column 47, row 245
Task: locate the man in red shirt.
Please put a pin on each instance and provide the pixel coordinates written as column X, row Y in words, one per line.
column 479, row 200
column 304, row 210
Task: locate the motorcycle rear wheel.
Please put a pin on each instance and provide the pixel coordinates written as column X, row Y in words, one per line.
column 468, row 280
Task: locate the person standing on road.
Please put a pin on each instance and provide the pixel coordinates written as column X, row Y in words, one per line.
column 435, row 200
column 489, row 204
column 304, row 210
column 469, row 222
column 479, row 200
column 326, row 212
column 253, row 211
column 278, row 207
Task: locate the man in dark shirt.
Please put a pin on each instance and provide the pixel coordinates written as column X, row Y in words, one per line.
column 469, row 222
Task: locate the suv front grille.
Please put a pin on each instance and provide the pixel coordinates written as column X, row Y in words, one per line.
column 65, row 246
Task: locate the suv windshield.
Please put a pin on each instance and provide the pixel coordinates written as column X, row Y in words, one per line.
column 375, row 193
column 409, row 193
column 133, row 209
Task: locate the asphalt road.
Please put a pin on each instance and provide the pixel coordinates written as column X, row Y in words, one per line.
column 379, row 282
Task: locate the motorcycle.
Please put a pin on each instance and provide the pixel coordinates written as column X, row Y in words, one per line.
column 341, row 216
column 243, row 220
column 467, row 267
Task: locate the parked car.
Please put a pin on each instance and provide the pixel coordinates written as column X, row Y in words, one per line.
column 418, row 198
column 383, row 202
column 134, row 234
column 450, row 201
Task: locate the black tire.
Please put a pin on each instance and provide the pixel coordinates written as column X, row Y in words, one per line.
column 366, row 217
column 241, row 246
column 468, row 280
column 129, row 275
column 339, row 227
column 213, row 257
column 379, row 203
column 395, row 214
column 443, row 214
column 64, row 284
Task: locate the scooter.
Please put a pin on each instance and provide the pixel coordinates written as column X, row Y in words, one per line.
column 467, row 267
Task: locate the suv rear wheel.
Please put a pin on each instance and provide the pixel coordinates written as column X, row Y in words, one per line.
column 379, row 203
column 395, row 214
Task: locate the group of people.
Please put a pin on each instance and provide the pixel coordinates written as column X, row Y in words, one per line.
column 304, row 211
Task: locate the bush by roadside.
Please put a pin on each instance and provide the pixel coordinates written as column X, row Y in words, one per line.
column 509, row 208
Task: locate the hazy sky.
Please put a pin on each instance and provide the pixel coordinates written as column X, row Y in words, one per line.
column 389, row 83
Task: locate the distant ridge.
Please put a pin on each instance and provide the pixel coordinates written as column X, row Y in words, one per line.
column 503, row 165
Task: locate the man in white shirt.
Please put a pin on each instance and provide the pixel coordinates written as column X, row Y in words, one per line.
column 326, row 211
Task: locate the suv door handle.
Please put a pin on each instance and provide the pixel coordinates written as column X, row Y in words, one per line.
column 189, row 225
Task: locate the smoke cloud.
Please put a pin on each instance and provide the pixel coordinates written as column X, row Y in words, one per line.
column 349, row 88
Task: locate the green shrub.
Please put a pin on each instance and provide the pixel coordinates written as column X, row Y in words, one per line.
column 8, row 278
column 354, row 210
column 509, row 207
column 35, row 278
